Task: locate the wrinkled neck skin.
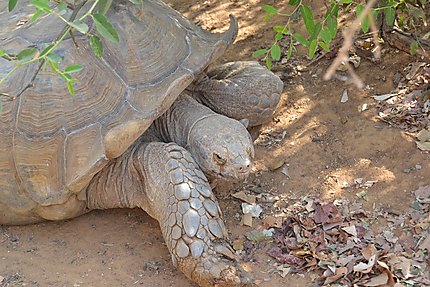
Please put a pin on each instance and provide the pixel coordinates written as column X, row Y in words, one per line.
column 181, row 121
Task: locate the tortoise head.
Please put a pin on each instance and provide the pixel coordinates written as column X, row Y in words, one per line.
column 222, row 147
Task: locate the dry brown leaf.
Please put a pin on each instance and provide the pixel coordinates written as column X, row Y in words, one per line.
column 414, row 70
column 283, row 271
column 244, row 197
column 425, row 244
column 238, row 244
column 369, row 251
column 379, row 280
column 384, row 97
column 424, row 146
column 350, row 230
column 344, row 97
column 401, row 263
column 247, row 219
column 271, row 221
column 423, row 192
column 365, row 267
column 327, row 213
column 340, row 272
column 275, row 164
column 343, row 261
column 387, row 271
column 423, row 135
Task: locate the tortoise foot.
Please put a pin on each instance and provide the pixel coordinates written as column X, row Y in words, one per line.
column 215, row 267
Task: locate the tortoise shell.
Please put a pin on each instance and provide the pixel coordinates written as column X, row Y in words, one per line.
column 52, row 143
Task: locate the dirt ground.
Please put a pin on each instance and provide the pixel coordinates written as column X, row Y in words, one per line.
column 322, row 141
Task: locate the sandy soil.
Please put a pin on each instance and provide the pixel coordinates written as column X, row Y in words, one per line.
column 325, row 143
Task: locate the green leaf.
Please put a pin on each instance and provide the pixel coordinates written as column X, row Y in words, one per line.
column 54, row 58
column 316, row 32
column 267, row 17
column 259, row 52
column 268, row 63
column 301, row 39
column 365, row 23
column 333, row 10
column 293, row 2
column 324, row 46
column 80, row 26
column 414, row 47
column 96, row 45
column 344, row 1
column 70, row 88
column 105, row 28
column 136, row 1
column 67, row 77
column 54, row 65
column 332, row 25
column 390, row 16
column 61, row 8
column 275, row 52
column 290, row 51
column 269, row 9
column 312, row 48
column 308, row 18
column 326, row 36
column 46, row 51
column 12, row 5
column 41, row 5
column 278, row 36
column 281, row 29
column 73, row 68
column 103, row 6
column 3, row 53
column 26, row 54
column 359, row 9
column 374, row 13
column 36, row 15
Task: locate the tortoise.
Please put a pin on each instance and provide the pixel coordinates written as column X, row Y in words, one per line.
column 62, row 156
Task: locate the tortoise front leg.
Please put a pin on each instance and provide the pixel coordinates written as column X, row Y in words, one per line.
column 181, row 199
column 164, row 180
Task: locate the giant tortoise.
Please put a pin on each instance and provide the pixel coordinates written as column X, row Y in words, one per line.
column 62, row 156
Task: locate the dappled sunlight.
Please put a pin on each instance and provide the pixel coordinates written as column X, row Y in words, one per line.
column 360, row 177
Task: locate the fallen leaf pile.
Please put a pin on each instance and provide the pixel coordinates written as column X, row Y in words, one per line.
column 408, row 107
column 338, row 241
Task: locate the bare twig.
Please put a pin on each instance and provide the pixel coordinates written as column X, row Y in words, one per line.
column 348, row 35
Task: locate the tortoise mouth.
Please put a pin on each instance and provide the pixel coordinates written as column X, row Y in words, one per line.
column 236, row 176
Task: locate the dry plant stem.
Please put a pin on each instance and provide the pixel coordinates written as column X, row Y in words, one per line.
column 374, row 31
column 347, row 44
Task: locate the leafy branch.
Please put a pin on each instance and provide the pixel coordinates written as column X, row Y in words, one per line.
column 320, row 34
column 47, row 56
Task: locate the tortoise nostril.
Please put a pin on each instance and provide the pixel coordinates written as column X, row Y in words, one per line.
column 245, row 166
column 247, row 163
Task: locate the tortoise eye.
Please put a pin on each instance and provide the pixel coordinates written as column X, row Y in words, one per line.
column 218, row 159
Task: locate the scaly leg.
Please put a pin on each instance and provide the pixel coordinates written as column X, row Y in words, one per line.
column 164, row 180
